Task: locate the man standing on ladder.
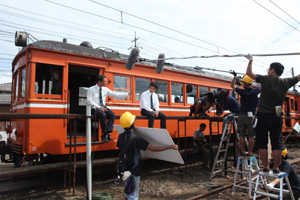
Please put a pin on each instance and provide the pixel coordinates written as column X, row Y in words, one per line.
column 248, row 107
column 269, row 113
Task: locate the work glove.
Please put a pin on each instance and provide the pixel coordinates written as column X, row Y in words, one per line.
column 233, row 73
column 269, row 186
column 249, row 57
column 126, row 175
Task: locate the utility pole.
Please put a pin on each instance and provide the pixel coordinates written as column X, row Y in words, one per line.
column 134, row 40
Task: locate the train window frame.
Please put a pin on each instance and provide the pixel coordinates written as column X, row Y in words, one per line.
column 194, row 88
column 174, row 96
column 292, row 104
column 16, row 85
column 53, row 73
column 158, row 90
column 22, row 82
column 128, row 89
column 135, row 89
column 296, row 106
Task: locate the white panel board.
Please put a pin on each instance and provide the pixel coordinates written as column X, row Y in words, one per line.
column 156, row 137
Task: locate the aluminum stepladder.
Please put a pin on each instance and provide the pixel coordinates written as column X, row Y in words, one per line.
column 281, row 176
column 248, row 165
column 219, row 162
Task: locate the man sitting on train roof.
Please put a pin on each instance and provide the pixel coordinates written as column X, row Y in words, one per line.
column 249, row 102
column 202, row 104
column 149, row 105
column 96, row 97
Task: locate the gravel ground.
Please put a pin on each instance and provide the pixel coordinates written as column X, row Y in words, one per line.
column 157, row 182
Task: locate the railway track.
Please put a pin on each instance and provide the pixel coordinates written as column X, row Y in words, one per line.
column 156, row 176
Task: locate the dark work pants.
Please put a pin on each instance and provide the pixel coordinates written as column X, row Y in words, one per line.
column 151, row 118
column 102, row 116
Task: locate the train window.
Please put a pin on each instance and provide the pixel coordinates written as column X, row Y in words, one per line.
column 203, row 91
column 296, row 105
column 16, row 85
column 141, row 85
column 177, row 92
column 292, row 104
column 122, row 84
column 22, row 83
column 162, row 91
column 191, row 94
column 48, row 79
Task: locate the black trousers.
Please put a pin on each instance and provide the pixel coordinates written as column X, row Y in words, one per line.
column 102, row 116
column 151, row 118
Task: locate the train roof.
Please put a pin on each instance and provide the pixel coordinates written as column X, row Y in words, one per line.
column 115, row 55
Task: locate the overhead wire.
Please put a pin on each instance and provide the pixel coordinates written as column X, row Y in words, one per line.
column 160, row 25
column 113, row 20
column 30, row 18
column 284, row 12
column 53, row 23
column 276, row 16
column 54, row 33
column 93, row 14
column 70, row 22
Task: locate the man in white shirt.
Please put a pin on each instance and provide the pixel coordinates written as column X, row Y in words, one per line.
column 149, row 105
column 96, row 97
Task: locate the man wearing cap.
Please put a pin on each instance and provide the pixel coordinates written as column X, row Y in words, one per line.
column 273, row 93
column 133, row 154
column 96, row 97
column 248, row 107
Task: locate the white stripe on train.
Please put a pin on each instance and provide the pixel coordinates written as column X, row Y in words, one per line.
column 44, row 105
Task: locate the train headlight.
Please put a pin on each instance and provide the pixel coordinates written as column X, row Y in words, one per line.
column 21, row 38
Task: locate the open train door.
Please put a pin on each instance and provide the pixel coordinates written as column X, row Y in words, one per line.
column 80, row 78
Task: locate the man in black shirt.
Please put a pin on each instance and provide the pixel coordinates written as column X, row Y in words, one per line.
column 133, row 154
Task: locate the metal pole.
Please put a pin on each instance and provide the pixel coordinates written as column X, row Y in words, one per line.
column 88, row 152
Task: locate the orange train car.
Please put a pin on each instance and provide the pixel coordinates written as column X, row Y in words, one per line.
column 51, row 77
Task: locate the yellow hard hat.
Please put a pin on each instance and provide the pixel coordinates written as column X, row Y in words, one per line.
column 247, row 79
column 284, row 152
column 127, row 119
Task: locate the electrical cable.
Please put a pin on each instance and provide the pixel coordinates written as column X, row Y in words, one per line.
column 277, row 16
column 121, row 35
column 284, row 12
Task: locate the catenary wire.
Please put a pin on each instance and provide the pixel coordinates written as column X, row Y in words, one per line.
column 276, row 16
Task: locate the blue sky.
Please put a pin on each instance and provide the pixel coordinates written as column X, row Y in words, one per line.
column 176, row 28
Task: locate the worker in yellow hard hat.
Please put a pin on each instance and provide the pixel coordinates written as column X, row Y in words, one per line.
column 249, row 100
column 130, row 156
